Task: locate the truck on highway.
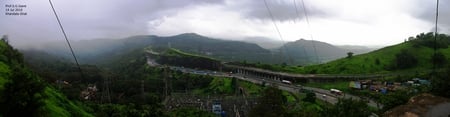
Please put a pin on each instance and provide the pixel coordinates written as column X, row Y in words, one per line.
column 286, row 82
column 335, row 91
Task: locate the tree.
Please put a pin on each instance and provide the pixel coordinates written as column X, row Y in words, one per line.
column 349, row 54
column 440, row 82
column 234, row 85
column 310, row 97
column 439, row 59
column 405, row 59
column 5, row 38
column 377, row 61
column 23, row 95
column 348, row 108
column 270, row 104
column 394, row 99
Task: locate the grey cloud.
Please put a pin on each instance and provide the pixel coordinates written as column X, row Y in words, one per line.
column 87, row 19
column 428, row 12
column 281, row 10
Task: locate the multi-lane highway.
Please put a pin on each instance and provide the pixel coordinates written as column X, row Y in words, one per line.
column 321, row 94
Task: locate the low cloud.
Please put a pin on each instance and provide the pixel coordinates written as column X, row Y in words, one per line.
column 372, row 22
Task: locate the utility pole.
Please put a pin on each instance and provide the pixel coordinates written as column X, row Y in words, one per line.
column 167, row 87
column 143, row 91
column 106, row 96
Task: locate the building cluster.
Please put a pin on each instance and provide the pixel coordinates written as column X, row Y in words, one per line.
column 89, row 92
column 386, row 86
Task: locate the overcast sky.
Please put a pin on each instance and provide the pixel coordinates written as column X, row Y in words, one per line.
column 342, row 22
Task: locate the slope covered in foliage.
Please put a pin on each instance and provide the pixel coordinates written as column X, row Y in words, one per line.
column 416, row 54
column 176, row 57
column 23, row 93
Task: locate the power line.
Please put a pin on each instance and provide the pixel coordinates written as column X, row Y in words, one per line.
column 435, row 34
column 310, row 29
column 278, row 30
column 296, row 9
column 65, row 36
column 298, row 15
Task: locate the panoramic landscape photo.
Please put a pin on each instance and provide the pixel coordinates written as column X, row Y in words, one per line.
column 225, row 58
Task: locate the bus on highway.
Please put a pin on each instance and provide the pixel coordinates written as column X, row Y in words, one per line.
column 335, row 91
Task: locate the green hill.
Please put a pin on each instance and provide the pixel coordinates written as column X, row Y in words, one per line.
column 305, row 51
column 413, row 55
column 98, row 51
column 23, row 93
column 176, row 57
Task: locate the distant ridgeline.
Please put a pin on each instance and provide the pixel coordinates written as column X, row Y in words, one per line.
column 98, row 50
column 300, row 52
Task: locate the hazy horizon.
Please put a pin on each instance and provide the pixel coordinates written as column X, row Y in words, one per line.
column 347, row 22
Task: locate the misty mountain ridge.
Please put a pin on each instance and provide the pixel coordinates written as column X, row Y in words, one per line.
column 311, row 51
column 264, row 42
column 97, row 50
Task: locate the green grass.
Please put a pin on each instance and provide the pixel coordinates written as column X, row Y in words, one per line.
column 221, row 86
column 251, row 88
column 377, row 62
column 57, row 105
column 54, row 103
column 290, row 97
column 4, row 73
column 361, row 64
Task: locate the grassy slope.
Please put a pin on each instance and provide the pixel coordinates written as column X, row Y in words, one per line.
column 56, row 104
column 366, row 63
column 221, row 85
column 251, row 88
column 59, row 106
column 4, row 69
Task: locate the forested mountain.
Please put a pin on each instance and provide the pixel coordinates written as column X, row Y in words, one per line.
column 42, row 84
column 264, row 42
column 300, row 52
column 310, row 51
column 96, row 51
column 221, row 49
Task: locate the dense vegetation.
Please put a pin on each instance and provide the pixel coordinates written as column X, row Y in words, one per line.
column 24, row 93
column 176, row 57
column 274, row 103
column 413, row 55
column 32, row 85
column 126, row 74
